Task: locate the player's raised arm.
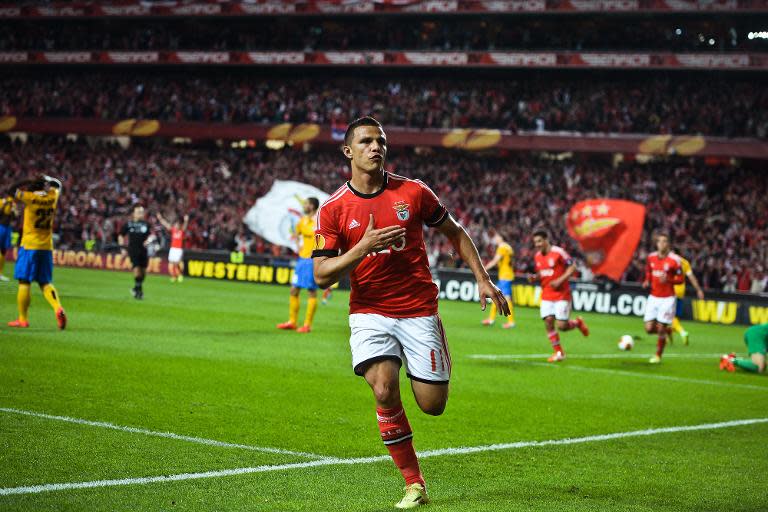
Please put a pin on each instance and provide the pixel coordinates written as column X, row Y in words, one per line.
column 54, row 182
column 20, row 185
column 328, row 269
column 163, row 221
column 468, row 252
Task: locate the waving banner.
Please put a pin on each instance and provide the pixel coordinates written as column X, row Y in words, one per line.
column 608, row 231
column 275, row 215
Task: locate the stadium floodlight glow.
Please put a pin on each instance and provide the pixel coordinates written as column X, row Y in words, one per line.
column 679, row 31
column 763, row 34
column 711, row 42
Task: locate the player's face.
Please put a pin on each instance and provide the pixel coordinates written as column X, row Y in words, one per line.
column 368, row 148
column 138, row 213
column 662, row 244
column 308, row 207
column 540, row 243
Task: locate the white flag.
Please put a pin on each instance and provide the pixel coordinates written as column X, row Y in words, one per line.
column 275, row 215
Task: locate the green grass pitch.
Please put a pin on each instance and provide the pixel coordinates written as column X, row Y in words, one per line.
column 203, row 359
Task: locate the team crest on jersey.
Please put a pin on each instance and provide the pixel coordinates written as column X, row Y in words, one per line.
column 551, row 262
column 319, row 242
column 401, row 207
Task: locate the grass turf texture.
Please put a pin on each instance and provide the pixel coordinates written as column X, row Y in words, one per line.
column 203, row 359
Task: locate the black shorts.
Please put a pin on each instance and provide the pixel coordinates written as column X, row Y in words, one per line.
column 139, row 259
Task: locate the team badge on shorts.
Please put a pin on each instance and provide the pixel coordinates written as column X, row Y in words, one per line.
column 401, row 207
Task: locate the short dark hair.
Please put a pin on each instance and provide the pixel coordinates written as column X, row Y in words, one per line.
column 541, row 232
column 662, row 233
column 361, row 121
column 315, row 203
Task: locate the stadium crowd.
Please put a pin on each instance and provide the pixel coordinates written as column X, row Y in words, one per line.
column 717, row 215
column 473, row 33
column 531, row 102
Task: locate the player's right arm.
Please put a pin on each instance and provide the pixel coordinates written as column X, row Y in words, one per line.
column 121, row 239
column 328, row 269
column 163, row 221
column 647, row 280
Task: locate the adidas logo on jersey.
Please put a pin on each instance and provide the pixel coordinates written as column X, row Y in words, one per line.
column 353, row 224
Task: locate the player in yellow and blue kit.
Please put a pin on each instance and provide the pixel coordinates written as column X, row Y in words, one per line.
column 7, row 214
column 35, row 261
column 502, row 259
column 303, row 276
column 680, row 293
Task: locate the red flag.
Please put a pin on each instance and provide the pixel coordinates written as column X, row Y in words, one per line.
column 608, row 231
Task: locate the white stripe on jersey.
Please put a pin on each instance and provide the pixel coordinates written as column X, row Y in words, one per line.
column 336, row 195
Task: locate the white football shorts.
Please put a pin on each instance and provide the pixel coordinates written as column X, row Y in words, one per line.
column 175, row 254
column 660, row 309
column 418, row 342
column 560, row 309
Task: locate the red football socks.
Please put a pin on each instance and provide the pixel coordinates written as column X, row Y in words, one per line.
column 554, row 339
column 662, row 340
column 398, row 438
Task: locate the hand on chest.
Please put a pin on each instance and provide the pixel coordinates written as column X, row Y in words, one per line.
column 387, row 210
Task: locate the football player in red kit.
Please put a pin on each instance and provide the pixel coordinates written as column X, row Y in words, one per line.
column 372, row 228
column 176, row 252
column 663, row 270
column 553, row 269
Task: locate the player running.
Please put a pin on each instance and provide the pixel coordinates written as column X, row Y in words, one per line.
column 176, row 252
column 302, row 274
column 663, row 270
column 502, row 258
column 554, row 267
column 372, row 228
column 136, row 235
column 756, row 339
column 680, row 293
column 7, row 215
column 35, row 260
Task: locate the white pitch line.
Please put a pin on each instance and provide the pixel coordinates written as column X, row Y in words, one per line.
column 35, row 489
column 526, row 360
column 661, row 377
column 589, row 356
column 168, row 435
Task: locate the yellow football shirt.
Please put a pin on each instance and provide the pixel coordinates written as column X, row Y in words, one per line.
column 686, row 266
column 506, row 272
column 305, row 229
column 39, row 211
column 6, row 209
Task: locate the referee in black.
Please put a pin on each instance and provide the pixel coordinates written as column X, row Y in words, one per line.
column 138, row 237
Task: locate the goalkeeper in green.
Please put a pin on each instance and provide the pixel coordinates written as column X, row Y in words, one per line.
column 756, row 339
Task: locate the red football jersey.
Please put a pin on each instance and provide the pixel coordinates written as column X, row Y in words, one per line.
column 669, row 266
column 395, row 282
column 177, row 238
column 550, row 266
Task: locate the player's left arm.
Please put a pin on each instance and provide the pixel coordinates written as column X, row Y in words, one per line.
column 495, row 261
column 677, row 276
column 556, row 283
column 696, row 285
column 464, row 245
column 54, row 182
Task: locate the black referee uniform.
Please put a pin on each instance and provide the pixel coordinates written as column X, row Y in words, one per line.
column 137, row 232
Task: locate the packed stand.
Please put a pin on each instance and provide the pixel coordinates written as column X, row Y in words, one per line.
column 717, row 215
column 466, row 33
column 531, row 102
